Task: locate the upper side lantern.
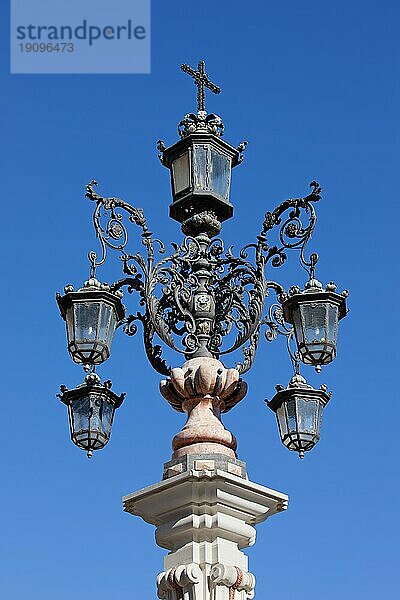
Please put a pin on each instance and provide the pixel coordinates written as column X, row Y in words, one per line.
column 92, row 314
column 201, row 162
column 315, row 314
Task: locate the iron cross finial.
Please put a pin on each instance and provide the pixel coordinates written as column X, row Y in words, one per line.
column 201, row 80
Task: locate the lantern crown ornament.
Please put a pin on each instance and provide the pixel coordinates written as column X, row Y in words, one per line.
column 205, row 301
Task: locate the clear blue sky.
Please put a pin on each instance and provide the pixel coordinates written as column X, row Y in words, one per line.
column 314, row 87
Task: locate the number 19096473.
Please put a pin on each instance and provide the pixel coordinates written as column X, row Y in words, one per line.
column 46, row 47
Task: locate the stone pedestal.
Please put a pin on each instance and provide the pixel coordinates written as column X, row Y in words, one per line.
column 205, row 508
column 205, row 517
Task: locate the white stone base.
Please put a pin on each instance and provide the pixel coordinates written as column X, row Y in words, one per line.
column 205, row 518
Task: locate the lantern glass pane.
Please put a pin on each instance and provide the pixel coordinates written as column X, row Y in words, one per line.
column 220, row 174
column 298, row 325
column 291, row 412
column 101, row 415
column 333, row 320
column 86, row 320
column 314, row 322
column 69, row 318
column 80, row 410
column 107, row 324
column 181, row 173
column 106, row 414
column 319, row 417
column 281, row 417
column 201, row 168
column 91, row 420
column 95, row 413
column 307, row 412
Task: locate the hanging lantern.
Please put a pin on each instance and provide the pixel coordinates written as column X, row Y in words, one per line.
column 91, row 408
column 92, row 314
column 315, row 314
column 298, row 410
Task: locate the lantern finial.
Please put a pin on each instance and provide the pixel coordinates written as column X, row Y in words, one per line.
column 202, row 81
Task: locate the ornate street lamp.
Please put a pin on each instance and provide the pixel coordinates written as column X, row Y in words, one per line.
column 202, row 301
column 91, row 408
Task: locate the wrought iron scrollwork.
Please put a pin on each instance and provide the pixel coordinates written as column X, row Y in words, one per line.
column 201, row 300
column 292, row 233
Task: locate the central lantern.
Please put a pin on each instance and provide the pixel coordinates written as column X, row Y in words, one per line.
column 200, row 166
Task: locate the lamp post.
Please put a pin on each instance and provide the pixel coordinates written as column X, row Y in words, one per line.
column 204, row 302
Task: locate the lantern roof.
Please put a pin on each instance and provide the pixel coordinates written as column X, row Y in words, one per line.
column 314, row 291
column 298, row 385
column 92, row 289
column 92, row 383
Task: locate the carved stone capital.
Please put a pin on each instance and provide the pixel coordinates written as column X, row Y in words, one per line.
column 203, row 377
